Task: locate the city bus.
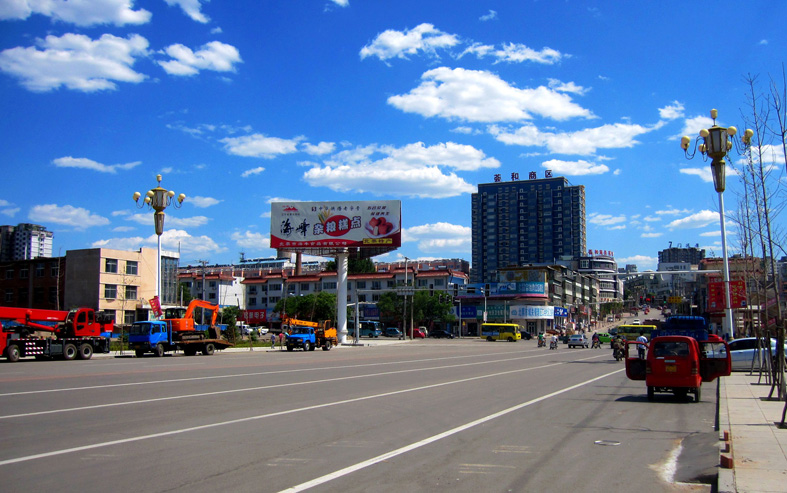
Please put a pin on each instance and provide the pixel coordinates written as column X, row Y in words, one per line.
column 631, row 332
column 501, row 332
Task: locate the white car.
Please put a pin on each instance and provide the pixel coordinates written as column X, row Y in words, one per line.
column 578, row 340
column 744, row 351
column 636, row 322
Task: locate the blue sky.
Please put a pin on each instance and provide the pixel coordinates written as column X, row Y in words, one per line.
column 241, row 103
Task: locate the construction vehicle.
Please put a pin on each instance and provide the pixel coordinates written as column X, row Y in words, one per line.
column 309, row 335
column 178, row 333
column 49, row 334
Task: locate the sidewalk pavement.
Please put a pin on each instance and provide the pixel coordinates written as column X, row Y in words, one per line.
column 753, row 454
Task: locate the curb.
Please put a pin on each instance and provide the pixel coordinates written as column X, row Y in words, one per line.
column 725, row 481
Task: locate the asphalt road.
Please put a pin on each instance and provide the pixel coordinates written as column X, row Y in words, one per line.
column 436, row 415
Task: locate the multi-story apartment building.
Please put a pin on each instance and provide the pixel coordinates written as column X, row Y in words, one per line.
column 518, row 223
column 690, row 255
column 37, row 283
column 118, row 282
column 601, row 265
column 25, row 241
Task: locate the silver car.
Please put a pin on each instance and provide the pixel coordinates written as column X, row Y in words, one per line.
column 743, row 353
column 579, row 340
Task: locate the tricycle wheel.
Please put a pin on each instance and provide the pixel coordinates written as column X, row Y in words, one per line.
column 651, row 391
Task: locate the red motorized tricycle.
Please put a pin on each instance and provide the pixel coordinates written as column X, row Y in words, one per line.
column 677, row 364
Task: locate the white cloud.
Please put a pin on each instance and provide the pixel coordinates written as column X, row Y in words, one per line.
column 192, row 8
column 582, row 142
column 643, row 262
column 249, row 239
column 258, row 145
column 216, row 56
column 341, row 3
column 398, row 44
column 489, row 16
column 85, row 163
column 67, row 215
column 605, row 219
column 672, row 111
column 172, row 239
column 672, row 212
column 515, row 53
column 10, row 211
column 170, row 220
column 650, row 235
column 123, row 229
column 412, row 170
column 253, row 171
column 439, row 237
column 481, row 96
column 203, row 202
column 79, row 12
column 692, row 126
column 697, row 220
column 651, row 219
column 704, row 173
column 575, row 168
column 711, row 233
column 319, row 149
column 76, row 62
column 571, row 87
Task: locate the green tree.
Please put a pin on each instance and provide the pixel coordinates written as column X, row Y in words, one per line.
column 314, row 307
column 184, row 293
column 354, row 266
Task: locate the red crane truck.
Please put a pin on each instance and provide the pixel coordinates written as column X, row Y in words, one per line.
column 53, row 333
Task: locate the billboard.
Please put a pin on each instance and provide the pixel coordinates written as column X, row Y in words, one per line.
column 305, row 226
column 716, row 298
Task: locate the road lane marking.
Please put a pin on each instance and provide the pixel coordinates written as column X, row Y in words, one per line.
column 408, row 448
column 191, row 429
column 245, row 389
column 254, row 374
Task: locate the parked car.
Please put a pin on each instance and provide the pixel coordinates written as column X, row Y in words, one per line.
column 578, row 340
column 636, row 321
column 392, row 332
column 526, row 335
column 743, row 351
column 417, row 333
column 440, row 334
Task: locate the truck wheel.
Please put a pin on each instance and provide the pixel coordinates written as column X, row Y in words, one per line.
column 650, row 393
column 290, row 348
column 307, row 346
column 85, row 351
column 158, row 351
column 139, row 353
column 327, row 346
column 312, row 347
column 698, row 394
column 208, row 349
column 12, row 353
column 69, row 352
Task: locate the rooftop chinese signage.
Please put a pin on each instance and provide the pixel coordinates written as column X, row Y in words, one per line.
column 320, row 225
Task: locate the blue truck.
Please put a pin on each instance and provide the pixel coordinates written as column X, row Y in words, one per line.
column 309, row 335
column 157, row 337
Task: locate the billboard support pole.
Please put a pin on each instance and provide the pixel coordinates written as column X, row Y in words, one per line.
column 341, row 296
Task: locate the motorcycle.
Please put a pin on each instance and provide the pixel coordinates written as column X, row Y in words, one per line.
column 553, row 345
column 596, row 344
column 542, row 343
column 618, row 353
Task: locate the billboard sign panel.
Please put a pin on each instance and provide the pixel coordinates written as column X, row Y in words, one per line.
column 346, row 224
column 716, row 298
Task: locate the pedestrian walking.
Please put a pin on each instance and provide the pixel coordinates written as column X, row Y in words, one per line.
column 273, row 340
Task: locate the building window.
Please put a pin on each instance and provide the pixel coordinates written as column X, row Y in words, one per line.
column 23, row 293
column 55, row 269
column 9, row 295
column 129, row 317
column 252, row 289
column 131, row 292
column 212, row 284
column 375, row 298
column 329, row 285
column 132, row 267
column 252, row 301
column 211, row 296
column 23, row 273
column 39, row 270
column 361, row 298
column 376, row 285
column 275, row 287
column 52, row 295
column 304, row 286
column 360, row 285
column 391, row 284
column 110, row 291
column 111, row 266
column 9, row 273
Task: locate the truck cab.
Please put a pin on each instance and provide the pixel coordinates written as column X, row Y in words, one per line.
column 301, row 337
column 677, row 364
column 149, row 336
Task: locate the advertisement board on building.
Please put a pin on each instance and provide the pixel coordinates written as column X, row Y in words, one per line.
column 253, row 317
column 561, row 312
column 716, row 298
column 332, row 226
column 510, row 289
column 530, row 312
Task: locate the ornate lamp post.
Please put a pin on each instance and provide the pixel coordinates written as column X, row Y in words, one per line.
column 159, row 199
column 716, row 143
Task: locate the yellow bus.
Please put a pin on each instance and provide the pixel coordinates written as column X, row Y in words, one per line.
column 501, row 332
column 631, row 332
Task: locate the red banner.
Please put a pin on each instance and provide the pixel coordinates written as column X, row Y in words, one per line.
column 156, row 306
column 716, row 298
column 253, row 316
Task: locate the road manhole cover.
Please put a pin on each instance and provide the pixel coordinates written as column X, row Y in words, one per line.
column 606, row 442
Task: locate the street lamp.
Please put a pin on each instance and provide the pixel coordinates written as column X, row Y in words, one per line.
column 159, row 199
column 716, row 143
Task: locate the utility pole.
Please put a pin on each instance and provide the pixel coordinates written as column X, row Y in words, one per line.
column 202, row 297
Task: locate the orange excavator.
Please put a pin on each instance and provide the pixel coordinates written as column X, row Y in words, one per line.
column 182, row 320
